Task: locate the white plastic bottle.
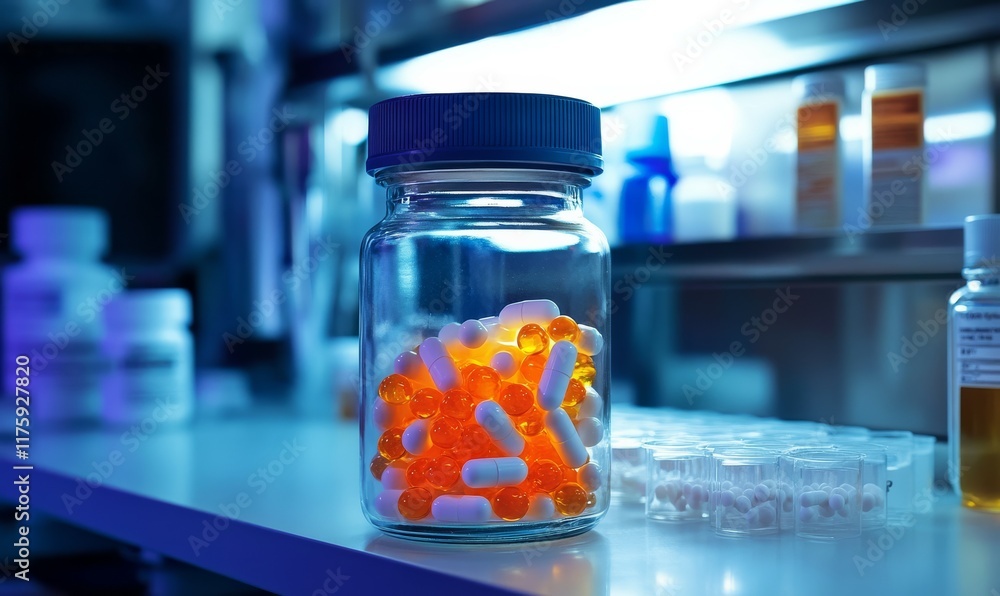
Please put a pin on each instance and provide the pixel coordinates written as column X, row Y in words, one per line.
column 53, row 301
column 150, row 352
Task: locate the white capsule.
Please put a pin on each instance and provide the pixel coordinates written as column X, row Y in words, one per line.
column 504, row 363
column 540, row 507
column 556, row 375
column 494, row 471
column 836, row 502
column 698, row 494
column 519, row 314
column 867, row 502
column 592, row 405
column 591, row 431
column 806, row 513
column 742, row 504
column 762, row 492
column 564, row 438
column 417, row 437
column 726, row 498
column 766, row 515
column 589, row 476
column 465, row 508
column 394, row 478
column 386, row 415
column 499, row 427
column 439, row 364
column 498, row 332
column 590, row 342
column 408, row 364
column 812, row 498
column 387, row 503
column 449, row 334
column 472, row 334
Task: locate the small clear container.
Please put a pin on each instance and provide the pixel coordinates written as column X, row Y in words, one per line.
column 628, row 471
column 745, row 488
column 828, row 492
column 923, row 472
column 785, row 498
column 677, row 481
column 900, row 490
column 873, row 483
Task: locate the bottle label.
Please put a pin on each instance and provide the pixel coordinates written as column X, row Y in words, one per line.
column 818, row 166
column 977, row 347
column 897, row 138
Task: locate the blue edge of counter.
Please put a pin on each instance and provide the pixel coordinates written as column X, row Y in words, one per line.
column 261, row 557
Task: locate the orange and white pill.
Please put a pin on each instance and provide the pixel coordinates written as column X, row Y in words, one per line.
column 519, row 314
column 556, row 375
column 568, row 445
column 500, row 428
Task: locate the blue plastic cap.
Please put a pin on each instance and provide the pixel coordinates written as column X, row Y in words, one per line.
column 507, row 130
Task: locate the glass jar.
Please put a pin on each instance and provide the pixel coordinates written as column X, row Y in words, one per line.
column 484, row 292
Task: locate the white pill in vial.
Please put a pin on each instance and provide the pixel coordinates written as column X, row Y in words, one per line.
column 762, row 492
column 494, row 471
column 540, row 507
column 519, row 314
column 385, row 414
column 499, row 427
column 464, row 508
column 417, row 437
column 472, row 334
column 591, row 431
column 592, row 405
column 387, row 503
column 766, row 515
column 504, row 363
column 449, row 334
column 812, row 498
column 394, row 478
column 590, row 342
column 589, row 476
column 439, row 364
column 407, row 364
column 742, row 504
column 556, row 375
column 564, row 438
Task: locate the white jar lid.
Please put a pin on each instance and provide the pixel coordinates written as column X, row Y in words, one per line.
column 895, row 76
column 60, row 231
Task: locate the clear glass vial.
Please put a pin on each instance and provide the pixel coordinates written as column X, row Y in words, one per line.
column 484, row 367
column 973, row 375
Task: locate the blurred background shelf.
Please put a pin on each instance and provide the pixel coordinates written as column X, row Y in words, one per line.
column 888, row 255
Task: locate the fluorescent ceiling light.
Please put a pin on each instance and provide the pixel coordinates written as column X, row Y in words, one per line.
column 627, row 51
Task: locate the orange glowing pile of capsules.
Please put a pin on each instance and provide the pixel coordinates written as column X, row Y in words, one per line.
column 491, row 421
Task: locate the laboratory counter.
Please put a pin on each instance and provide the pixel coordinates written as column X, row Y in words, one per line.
column 272, row 501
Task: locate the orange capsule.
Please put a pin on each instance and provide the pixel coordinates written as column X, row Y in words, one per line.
column 584, row 370
column 466, row 369
column 531, row 339
column 378, row 465
column 445, row 432
column 516, row 399
column 425, row 402
column 390, row 444
column 443, row 472
column 575, row 393
column 483, row 382
column 532, row 367
column 570, row 499
column 545, row 475
column 458, row 404
column 530, row 423
column 474, row 443
column 510, row 503
column 563, row 328
column 415, row 503
column 591, row 500
column 395, row 389
column 416, row 472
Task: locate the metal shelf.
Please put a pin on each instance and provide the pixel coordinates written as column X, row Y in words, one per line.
column 881, row 255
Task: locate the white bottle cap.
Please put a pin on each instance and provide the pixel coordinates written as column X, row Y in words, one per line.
column 982, row 241
column 895, row 76
column 60, row 231
column 819, row 85
column 149, row 309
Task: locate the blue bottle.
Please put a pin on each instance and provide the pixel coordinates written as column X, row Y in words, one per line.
column 645, row 211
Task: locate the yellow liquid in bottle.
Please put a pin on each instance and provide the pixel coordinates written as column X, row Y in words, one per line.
column 980, row 447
